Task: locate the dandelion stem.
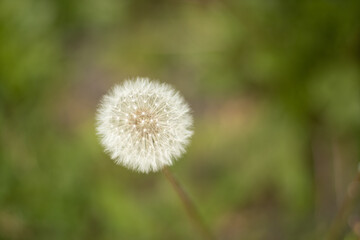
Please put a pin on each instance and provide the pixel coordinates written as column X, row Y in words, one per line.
column 347, row 206
column 188, row 204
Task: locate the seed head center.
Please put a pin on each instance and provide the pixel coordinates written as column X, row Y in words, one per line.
column 144, row 122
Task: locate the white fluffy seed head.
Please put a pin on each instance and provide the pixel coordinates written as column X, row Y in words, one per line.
column 144, row 125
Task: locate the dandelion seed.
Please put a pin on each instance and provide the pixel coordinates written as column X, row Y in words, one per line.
column 133, row 146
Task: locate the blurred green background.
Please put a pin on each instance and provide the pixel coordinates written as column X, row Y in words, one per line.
column 275, row 91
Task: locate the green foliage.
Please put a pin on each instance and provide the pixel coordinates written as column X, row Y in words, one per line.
column 274, row 86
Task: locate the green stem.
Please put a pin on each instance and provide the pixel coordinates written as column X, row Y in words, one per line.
column 188, row 204
column 347, row 206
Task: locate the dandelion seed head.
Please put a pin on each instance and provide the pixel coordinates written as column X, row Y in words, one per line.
column 144, row 125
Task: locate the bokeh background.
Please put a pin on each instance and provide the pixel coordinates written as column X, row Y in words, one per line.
column 275, row 91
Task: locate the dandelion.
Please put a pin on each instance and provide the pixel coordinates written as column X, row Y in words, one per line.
column 144, row 125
